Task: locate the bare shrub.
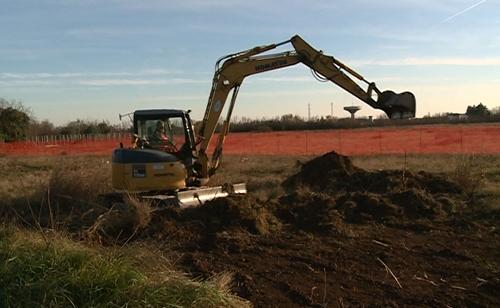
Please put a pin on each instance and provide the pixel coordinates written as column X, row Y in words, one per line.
column 143, row 210
column 469, row 174
column 122, row 222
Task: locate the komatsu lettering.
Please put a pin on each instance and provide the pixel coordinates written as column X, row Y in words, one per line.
column 268, row 66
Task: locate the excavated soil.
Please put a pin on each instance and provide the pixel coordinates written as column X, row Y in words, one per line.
column 342, row 236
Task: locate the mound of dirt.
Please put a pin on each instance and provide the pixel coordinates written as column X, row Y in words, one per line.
column 363, row 196
column 361, row 207
column 326, row 172
column 202, row 225
column 386, row 181
column 247, row 217
column 334, row 173
column 311, row 212
column 417, row 203
column 410, row 204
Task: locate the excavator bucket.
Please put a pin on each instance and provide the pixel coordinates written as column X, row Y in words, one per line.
column 397, row 106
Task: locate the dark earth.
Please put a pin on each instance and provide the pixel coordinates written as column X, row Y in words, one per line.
column 338, row 236
column 342, row 236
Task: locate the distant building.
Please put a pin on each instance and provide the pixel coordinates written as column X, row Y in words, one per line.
column 456, row 116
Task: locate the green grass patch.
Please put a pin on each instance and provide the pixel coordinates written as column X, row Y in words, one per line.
column 36, row 270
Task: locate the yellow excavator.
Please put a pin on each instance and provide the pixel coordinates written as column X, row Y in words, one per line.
column 168, row 161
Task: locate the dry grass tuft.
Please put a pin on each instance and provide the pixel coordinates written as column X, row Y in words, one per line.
column 469, row 173
column 122, row 222
column 142, row 208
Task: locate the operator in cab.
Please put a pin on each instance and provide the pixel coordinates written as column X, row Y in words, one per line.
column 160, row 140
column 159, row 136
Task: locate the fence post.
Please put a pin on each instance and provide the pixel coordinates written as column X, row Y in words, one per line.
column 340, row 141
column 307, row 143
column 380, row 142
column 420, row 140
column 461, row 139
column 251, row 142
column 481, row 138
column 277, row 143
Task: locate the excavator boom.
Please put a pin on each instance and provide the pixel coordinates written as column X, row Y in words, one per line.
column 235, row 67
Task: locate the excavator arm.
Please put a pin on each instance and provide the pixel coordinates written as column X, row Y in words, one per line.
column 229, row 76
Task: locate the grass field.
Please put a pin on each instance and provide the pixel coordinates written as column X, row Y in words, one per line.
column 52, row 202
column 91, row 175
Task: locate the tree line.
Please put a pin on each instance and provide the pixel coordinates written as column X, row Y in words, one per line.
column 18, row 123
column 474, row 114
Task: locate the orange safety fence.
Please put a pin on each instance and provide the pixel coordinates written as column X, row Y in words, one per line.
column 484, row 139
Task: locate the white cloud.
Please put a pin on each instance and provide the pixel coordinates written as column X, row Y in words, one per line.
column 144, row 77
column 136, row 82
column 44, row 75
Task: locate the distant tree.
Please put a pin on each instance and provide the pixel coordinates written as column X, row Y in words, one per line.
column 104, row 127
column 439, row 115
column 72, row 128
column 42, row 128
column 496, row 110
column 14, row 120
column 86, row 128
column 479, row 110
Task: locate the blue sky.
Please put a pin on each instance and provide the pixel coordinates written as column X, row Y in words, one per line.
column 93, row 59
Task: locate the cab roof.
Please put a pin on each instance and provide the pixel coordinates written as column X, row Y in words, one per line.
column 153, row 113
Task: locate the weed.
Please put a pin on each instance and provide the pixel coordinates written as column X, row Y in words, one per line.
column 469, row 174
column 121, row 222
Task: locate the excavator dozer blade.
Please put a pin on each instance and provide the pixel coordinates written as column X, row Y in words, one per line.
column 397, row 106
column 198, row 196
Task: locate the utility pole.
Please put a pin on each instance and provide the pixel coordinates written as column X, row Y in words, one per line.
column 309, row 112
column 331, row 110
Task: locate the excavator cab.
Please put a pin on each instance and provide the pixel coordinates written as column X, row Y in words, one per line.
column 160, row 165
column 164, row 129
column 161, row 155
